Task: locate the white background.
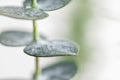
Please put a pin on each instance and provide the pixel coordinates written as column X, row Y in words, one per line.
column 102, row 34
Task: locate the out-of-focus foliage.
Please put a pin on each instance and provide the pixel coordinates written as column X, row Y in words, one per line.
column 16, row 38
column 60, row 71
column 81, row 14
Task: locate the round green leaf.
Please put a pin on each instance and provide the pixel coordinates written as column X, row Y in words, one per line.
column 21, row 13
column 60, row 71
column 51, row 48
column 48, row 5
column 16, row 38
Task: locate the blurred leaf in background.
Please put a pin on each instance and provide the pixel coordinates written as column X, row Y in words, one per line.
column 81, row 14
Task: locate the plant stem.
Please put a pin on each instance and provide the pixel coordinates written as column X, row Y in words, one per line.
column 34, row 4
column 35, row 31
column 37, row 72
column 36, row 38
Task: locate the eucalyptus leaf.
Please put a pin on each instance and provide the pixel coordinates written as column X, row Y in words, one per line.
column 61, row 71
column 21, row 13
column 51, row 48
column 17, row 38
column 48, row 5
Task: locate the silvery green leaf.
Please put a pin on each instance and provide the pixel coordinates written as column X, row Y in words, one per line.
column 21, row 13
column 48, row 5
column 51, row 48
column 17, row 38
column 60, row 71
column 14, row 78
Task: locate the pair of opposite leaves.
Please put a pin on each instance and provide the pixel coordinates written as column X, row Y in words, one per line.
column 41, row 48
column 28, row 13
